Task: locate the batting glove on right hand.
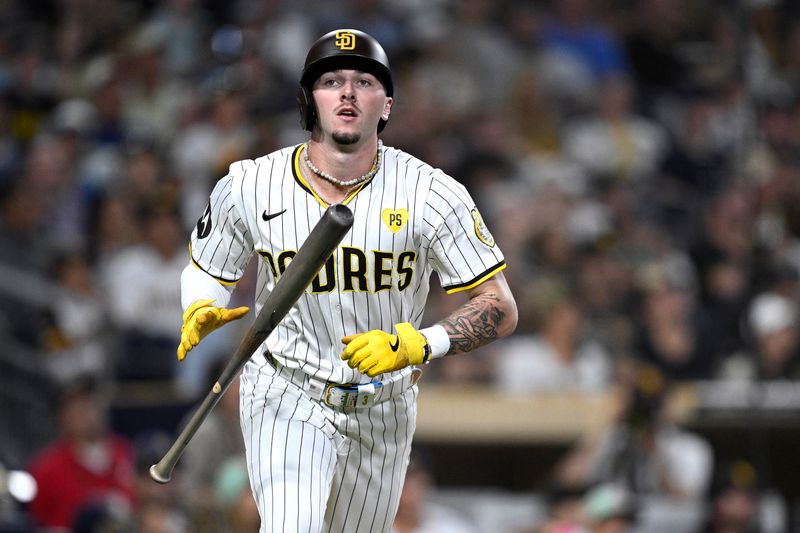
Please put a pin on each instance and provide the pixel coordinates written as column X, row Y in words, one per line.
column 200, row 319
column 376, row 351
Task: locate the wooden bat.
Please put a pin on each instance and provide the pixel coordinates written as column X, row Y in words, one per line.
column 311, row 257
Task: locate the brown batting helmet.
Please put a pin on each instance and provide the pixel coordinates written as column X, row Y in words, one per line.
column 338, row 49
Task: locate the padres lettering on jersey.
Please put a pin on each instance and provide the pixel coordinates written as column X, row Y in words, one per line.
column 352, row 269
column 409, row 221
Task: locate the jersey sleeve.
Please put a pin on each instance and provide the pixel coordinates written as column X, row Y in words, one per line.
column 462, row 250
column 221, row 243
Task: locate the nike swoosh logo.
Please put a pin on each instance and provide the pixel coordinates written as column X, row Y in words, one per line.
column 396, row 344
column 267, row 216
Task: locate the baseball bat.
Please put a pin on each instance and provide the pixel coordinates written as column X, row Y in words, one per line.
column 310, row 258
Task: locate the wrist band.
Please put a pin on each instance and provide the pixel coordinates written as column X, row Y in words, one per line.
column 438, row 339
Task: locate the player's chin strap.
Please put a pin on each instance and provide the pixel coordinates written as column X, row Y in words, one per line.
column 347, row 396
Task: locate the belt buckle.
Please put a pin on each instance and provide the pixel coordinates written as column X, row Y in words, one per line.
column 349, row 396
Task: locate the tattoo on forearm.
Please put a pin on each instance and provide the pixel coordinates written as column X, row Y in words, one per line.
column 474, row 324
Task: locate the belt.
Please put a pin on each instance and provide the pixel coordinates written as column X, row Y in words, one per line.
column 346, row 395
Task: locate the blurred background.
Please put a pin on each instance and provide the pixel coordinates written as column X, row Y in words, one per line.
column 638, row 162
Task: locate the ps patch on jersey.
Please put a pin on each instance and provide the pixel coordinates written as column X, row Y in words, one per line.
column 481, row 230
column 394, row 219
column 204, row 224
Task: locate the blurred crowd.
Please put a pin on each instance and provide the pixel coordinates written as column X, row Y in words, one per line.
column 638, row 162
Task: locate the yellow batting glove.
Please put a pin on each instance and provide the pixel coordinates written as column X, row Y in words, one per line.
column 200, row 319
column 376, row 351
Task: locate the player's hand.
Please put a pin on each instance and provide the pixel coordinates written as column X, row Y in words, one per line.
column 376, row 351
column 200, row 319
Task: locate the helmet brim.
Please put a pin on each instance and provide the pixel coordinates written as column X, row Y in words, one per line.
column 354, row 62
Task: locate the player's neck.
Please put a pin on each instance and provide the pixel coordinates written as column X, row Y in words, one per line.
column 345, row 164
column 330, row 193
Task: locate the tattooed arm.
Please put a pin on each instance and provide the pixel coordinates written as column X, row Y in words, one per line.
column 490, row 313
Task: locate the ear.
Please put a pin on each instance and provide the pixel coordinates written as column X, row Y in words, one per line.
column 387, row 108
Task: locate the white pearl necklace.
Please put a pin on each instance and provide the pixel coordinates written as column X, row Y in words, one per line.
column 344, row 183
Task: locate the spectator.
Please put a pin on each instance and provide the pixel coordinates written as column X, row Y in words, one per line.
column 725, row 234
column 667, row 334
column 609, row 508
column 721, row 311
column 233, row 494
column 557, row 357
column 643, row 450
column 565, row 513
column 695, row 167
column 534, row 112
column 159, row 507
column 152, row 100
column 576, row 26
column 88, row 465
column 579, row 50
column 22, row 213
column 417, row 513
column 147, row 312
column 218, row 440
column 615, row 145
column 102, row 517
column 207, row 147
column 652, row 43
column 775, row 353
column 739, row 504
column 76, row 342
column 186, row 24
column 113, row 229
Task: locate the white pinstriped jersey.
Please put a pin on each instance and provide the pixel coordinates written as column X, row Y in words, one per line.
column 410, row 220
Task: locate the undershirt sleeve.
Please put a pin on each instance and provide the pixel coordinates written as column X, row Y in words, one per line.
column 197, row 285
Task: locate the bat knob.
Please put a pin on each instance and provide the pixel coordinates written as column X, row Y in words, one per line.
column 157, row 476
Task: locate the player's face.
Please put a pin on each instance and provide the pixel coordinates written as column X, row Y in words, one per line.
column 349, row 104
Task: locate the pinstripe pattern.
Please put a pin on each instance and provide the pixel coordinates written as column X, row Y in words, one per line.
column 313, row 468
column 316, row 469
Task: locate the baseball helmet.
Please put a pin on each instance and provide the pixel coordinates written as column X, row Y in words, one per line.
column 341, row 49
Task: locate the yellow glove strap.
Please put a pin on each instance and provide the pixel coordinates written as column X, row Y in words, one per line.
column 413, row 343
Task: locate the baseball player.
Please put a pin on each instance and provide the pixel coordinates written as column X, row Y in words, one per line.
column 328, row 403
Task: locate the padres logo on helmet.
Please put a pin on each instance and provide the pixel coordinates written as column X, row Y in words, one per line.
column 345, row 40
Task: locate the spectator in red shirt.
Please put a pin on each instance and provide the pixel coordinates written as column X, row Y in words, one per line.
column 86, row 466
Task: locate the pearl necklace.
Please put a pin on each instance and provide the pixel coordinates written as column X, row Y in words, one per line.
column 344, row 183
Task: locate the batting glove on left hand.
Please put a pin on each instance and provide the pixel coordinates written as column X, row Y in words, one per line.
column 376, row 351
column 200, row 319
